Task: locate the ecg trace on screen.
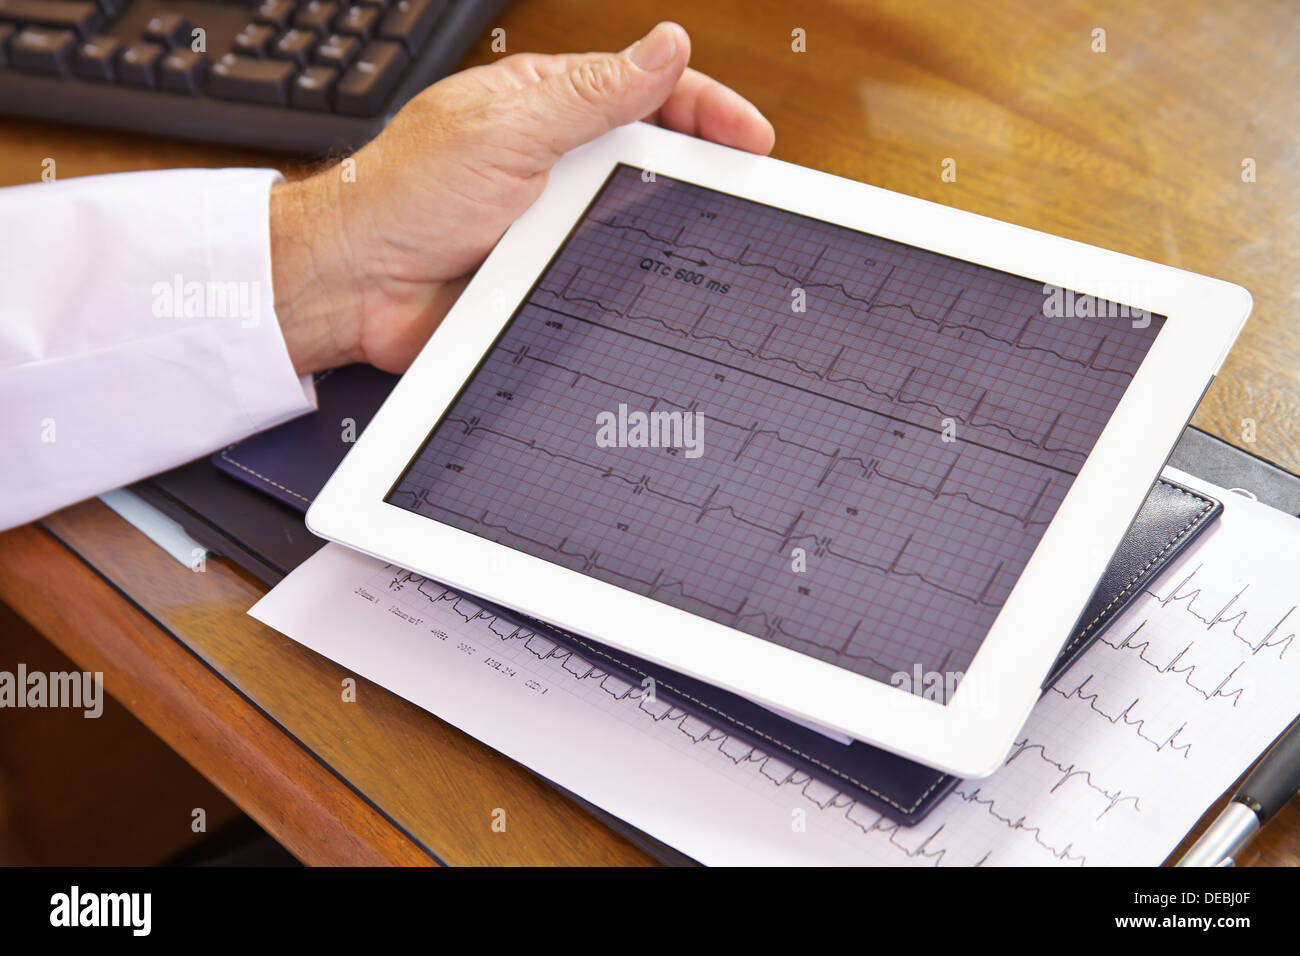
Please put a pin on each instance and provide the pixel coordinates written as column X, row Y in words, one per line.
column 884, row 432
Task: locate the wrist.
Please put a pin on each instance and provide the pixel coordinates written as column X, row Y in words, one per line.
column 315, row 287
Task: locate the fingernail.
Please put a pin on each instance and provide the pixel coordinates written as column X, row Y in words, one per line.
column 654, row 49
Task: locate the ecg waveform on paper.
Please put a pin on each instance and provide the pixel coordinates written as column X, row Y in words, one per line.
column 1240, row 639
column 1227, row 686
column 718, row 744
column 1145, row 731
column 886, row 432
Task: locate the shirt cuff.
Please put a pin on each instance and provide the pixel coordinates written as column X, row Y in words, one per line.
column 267, row 387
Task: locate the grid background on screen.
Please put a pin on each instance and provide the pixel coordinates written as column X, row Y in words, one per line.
column 828, row 511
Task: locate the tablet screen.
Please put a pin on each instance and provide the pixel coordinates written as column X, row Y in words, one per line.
column 836, row 442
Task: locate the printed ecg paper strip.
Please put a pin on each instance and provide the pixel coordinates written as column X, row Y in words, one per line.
column 822, row 429
column 1116, row 763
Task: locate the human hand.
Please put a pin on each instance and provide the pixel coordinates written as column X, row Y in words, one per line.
column 365, row 270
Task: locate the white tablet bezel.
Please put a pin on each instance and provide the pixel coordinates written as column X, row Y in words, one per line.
column 970, row 735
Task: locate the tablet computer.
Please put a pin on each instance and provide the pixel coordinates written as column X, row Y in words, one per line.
column 856, row 456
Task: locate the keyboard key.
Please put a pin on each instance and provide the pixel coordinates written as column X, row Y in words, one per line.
column 275, row 12
column 95, row 59
column 316, row 15
column 338, row 51
column 295, row 45
column 359, row 21
column 250, row 79
column 84, row 18
column 42, row 51
column 254, row 39
column 183, row 71
column 411, row 21
column 313, row 86
column 138, row 64
column 169, row 29
column 364, row 89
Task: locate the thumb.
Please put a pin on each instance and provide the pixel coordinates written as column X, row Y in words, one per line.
column 565, row 110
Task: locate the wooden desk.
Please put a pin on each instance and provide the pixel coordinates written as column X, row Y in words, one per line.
column 1139, row 148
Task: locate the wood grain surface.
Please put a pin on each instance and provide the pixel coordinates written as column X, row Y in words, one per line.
column 438, row 786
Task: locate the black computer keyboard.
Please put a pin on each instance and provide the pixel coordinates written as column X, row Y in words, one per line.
column 304, row 76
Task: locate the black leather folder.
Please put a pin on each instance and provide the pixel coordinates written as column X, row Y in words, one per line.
column 287, row 466
column 247, row 503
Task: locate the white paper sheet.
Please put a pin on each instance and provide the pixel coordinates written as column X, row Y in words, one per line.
column 1114, row 766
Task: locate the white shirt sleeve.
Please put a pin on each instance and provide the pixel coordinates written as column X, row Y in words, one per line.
column 137, row 330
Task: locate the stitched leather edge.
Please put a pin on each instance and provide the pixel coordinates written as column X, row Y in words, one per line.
column 225, row 456
column 257, row 474
column 1119, row 596
column 754, row 730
